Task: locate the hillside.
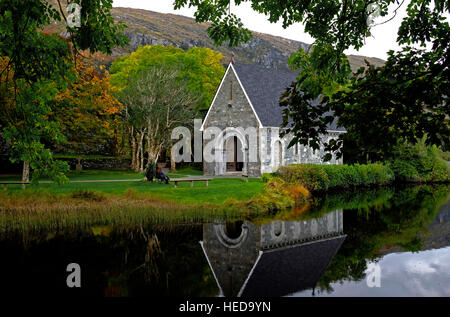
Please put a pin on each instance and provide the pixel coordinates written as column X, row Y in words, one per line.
column 151, row 28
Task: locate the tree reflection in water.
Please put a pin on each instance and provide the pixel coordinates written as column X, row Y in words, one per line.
column 268, row 255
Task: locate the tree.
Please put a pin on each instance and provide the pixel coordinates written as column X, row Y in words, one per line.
column 379, row 107
column 157, row 101
column 199, row 67
column 37, row 67
column 87, row 111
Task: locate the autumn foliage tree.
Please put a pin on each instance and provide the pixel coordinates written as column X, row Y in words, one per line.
column 87, row 111
column 38, row 66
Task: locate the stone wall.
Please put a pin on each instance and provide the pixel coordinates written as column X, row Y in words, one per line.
column 100, row 164
column 6, row 167
column 295, row 155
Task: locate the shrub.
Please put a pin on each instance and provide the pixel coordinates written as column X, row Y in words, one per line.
column 322, row 177
column 265, row 177
column 279, row 195
column 310, row 176
column 419, row 163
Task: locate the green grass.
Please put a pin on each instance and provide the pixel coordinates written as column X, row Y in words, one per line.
column 219, row 189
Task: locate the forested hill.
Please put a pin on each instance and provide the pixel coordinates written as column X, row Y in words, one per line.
column 151, row 28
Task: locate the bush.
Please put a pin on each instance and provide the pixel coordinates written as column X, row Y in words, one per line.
column 279, row 195
column 322, row 177
column 310, row 176
column 419, row 163
column 265, row 177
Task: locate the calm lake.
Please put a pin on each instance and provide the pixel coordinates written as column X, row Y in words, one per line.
column 384, row 242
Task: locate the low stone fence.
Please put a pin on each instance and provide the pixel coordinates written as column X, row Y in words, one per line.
column 99, row 163
column 6, row 167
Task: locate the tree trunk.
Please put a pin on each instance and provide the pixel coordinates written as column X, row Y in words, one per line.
column 141, row 144
column 172, row 164
column 133, row 150
column 149, row 146
column 138, row 153
column 25, row 173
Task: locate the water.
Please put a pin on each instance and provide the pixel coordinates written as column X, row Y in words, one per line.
column 386, row 242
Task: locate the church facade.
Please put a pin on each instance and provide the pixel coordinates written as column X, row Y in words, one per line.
column 246, row 112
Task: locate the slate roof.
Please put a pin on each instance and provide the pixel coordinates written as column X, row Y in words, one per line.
column 264, row 87
column 281, row 272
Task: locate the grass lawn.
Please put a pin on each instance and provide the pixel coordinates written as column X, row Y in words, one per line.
column 219, row 189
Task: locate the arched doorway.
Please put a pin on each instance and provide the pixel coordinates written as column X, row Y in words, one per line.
column 277, row 156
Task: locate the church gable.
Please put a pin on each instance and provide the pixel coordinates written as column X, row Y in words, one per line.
column 231, row 106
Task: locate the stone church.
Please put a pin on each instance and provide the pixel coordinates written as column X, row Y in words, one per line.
column 248, row 97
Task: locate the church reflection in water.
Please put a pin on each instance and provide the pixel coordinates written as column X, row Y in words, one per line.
column 274, row 259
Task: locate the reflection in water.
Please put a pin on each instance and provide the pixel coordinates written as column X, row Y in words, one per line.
column 323, row 251
column 424, row 273
column 273, row 259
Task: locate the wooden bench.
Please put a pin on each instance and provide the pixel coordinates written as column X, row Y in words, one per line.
column 191, row 180
column 5, row 184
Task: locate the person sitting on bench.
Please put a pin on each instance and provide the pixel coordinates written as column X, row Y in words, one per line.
column 160, row 175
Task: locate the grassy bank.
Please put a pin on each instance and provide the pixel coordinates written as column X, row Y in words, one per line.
column 86, row 208
column 218, row 191
column 53, row 206
column 291, row 187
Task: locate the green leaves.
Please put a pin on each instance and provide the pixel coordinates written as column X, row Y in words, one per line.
column 323, row 73
column 225, row 26
column 25, row 133
column 97, row 32
column 339, row 23
column 229, row 29
column 199, row 68
column 36, row 65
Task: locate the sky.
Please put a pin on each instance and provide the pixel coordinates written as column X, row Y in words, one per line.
column 382, row 39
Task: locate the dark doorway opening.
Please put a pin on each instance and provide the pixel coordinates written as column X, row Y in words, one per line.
column 234, row 155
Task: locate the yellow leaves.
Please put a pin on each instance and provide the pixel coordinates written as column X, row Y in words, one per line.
column 298, row 191
column 88, row 105
column 301, row 209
